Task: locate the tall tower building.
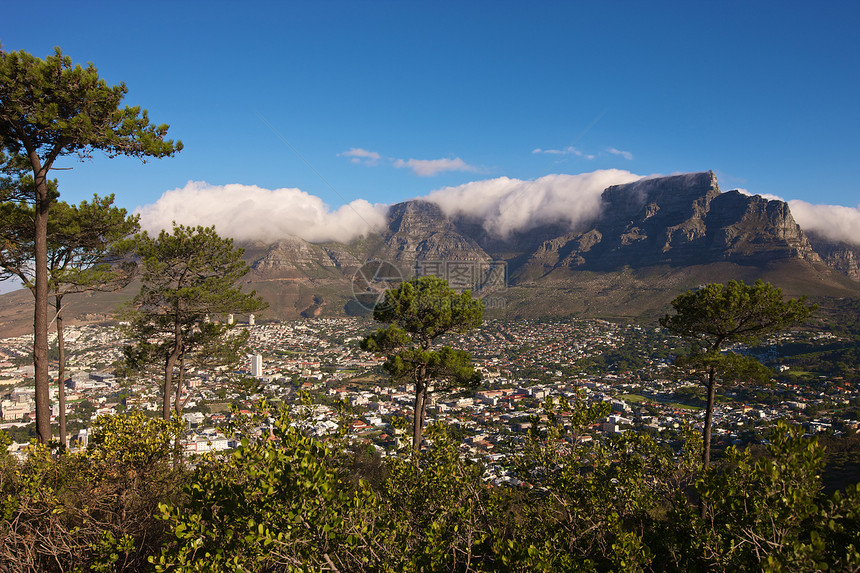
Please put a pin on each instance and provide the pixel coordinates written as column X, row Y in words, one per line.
column 257, row 365
column 251, row 319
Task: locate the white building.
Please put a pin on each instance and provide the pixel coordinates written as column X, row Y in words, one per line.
column 257, row 365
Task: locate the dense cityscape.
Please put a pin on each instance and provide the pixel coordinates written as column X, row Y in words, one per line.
column 522, row 363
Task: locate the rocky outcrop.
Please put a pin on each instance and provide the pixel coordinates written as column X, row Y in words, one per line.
column 295, row 256
column 679, row 220
column 837, row 254
column 754, row 230
column 419, row 230
column 675, row 221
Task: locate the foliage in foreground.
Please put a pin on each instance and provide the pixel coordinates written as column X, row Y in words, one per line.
column 91, row 511
column 292, row 503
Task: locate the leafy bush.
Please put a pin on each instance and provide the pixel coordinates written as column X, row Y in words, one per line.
column 94, row 510
column 294, row 503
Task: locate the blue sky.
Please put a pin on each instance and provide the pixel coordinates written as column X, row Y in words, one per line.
column 385, row 101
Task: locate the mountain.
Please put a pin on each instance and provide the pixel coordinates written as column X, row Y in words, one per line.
column 654, row 238
column 682, row 220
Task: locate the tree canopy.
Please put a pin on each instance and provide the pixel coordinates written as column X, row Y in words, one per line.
column 718, row 316
column 50, row 108
column 188, row 275
column 419, row 312
column 86, row 245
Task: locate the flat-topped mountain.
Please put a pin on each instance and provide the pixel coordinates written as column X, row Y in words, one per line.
column 653, row 238
column 681, row 220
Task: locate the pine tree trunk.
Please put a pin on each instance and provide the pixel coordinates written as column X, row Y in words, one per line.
column 709, row 418
column 424, row 408
column 417, row 417
column 168, row 384
column 169, row 365
column 706, row 439
column 177, row 445
column 61, row 368
column 40, row 311
column 177, row 404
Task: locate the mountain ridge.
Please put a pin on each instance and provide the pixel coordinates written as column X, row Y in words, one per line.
column 654, row 238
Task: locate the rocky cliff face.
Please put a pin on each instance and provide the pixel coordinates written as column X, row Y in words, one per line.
column 293, row 256
column 678, row 220
column 418, row 230
column 755, row 230
column 841, row 256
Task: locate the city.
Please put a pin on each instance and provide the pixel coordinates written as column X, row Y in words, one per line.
column 522, row 363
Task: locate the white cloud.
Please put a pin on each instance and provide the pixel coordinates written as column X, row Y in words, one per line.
column 833, row 221
column 248, row 212
column 421, row 167
column 625, row 154
column 506, row 205
column 359, row 155
column 430, row 167
column 569, row 150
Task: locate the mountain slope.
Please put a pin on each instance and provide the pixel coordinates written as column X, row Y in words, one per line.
column 654, row 238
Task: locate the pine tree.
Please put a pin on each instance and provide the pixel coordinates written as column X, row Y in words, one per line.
column 48, row 109
column 419, row 312
column 716, row 317
column 87, row 248
column 188, row 275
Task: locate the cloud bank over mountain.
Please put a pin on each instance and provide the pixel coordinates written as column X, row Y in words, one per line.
column 505, row 205
column 835, row 222
column 248, row 213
